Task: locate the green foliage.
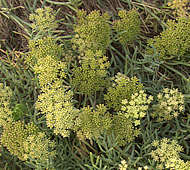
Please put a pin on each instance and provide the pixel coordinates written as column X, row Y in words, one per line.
column 122, row 88
column 92, row 75
column 128, row 26
column 167, row 155
column 92, row 31
column 173, row 43
column 92, row 123
column 170, row 103
column 19, row 111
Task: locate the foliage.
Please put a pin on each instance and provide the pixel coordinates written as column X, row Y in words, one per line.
column 19, row 111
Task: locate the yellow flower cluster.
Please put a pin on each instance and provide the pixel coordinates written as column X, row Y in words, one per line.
column 170, row 103
column 91, row 76
column 128, row 26
column 122, row 88
column 180, row 7
column 49, row 70
column 43, row 20
column 92, row 31
column 123, row 165
column 167, row 155
column 39, row 148
column 13, row 136
column 92, row 123
column 125, row 122
column 172, row 43
column 56, row 103
column 16, row 134
column 137, row 107
column 41, row 48
column 5, row 111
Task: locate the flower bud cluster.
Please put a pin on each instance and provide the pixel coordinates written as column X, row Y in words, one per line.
column 91, row 123
column 43, row 20
column 172, row 43
column 41, row 48
column 14, row 134
column 92, row 31
column 39, row 148
column 5, row 111
column 54, row 68
column 122, row 88
column 56, row 103
column 123, row 129
column 128, row 26
column 123, row 165
column 180, row 7
column 92, row 75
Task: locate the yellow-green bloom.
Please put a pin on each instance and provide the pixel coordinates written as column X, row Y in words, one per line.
column 49, row 70
column 173, row 43
column 56, row 104
column 92, row 123
column 136, row 108
column 167, row 155
column 123, row 129
column 122, row 88
column 92, row 31
column 6, row 114
column 43, row 20
column 38, row 148
column 170, row 103
column 92, row 75
column 13, row 136
column 128, row 26
column 180, row 7
column 41, row 48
